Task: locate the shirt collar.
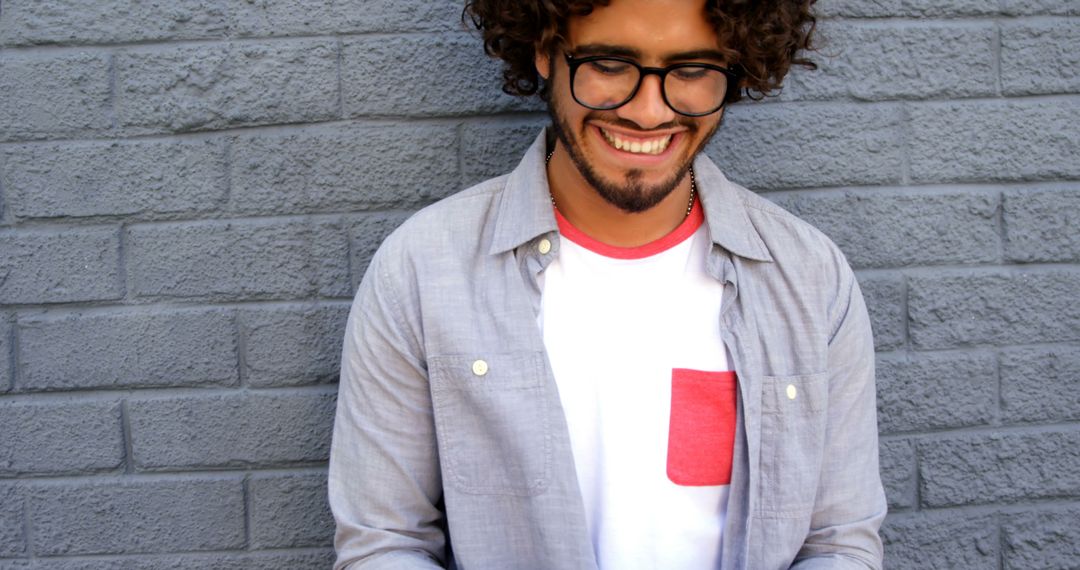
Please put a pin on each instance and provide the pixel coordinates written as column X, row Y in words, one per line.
column 525, row 210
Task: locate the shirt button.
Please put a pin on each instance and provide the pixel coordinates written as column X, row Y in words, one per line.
column 479, row 367
column 791, row 393
column 544, row 246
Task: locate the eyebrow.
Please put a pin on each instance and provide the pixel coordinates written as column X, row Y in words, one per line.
column 623, row 51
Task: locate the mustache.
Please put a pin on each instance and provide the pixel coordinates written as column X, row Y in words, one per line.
column 617, row 121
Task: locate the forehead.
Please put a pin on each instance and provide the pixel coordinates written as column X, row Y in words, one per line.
column 651, row 27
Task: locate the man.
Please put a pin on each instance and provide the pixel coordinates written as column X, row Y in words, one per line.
column 612, row 357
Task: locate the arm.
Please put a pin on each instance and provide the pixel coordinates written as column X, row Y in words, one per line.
column 850, row 502
column 384, row 482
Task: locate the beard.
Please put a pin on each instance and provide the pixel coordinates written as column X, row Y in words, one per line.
column 632, row 194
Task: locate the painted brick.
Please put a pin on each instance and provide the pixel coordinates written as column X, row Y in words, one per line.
column 995, row 140
column 53, row 95
column 880, row 61
column 422, row 75
column 991, row 468
column 885, row 297
column 1039, row 384
column 341, row 169
column 940, row 541
column 12, row 539
column 238, row 259
column 494, row 148
column 924, row 391
column 294, row 346
column 159, row 177
column 290, row 511
column 132, row 517
column 46, row 266
column 774, row 146
column 897, row 460
column 227, row 84
column 1041, row 225
column 299, row 17
column 366, row 233
column 898, row 230
column 159, row 348
column 907, row 8
column 60, row 438
column 109, row 21
column 1039, row 7
column 313, row 559
column 1042, row 539
column 234, row 430
column 1040, row 57
column 955, row 310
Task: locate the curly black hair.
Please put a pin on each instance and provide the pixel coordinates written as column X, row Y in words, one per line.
column 763, row 38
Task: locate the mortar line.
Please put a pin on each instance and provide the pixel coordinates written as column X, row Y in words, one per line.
column 164, row 44
column 340, row 46
column 459, row 139
column 235, row 473
column 189, row 554
column 153, row 393
column 121, row 262
column 349, row 252
column 246, row 487
column 240, row 330
column 918, row 476
column 999, row 520
column 904, row 133
column 905, row 290
column 226, row 199
column 996, row 60
column 1002, row 228
column 1011, row 429
column 13, row 353
column 370, row 120
column 61, row 311
column 1000, row 388
column 27, row 526
column 114, row 113
column 125, row 432
column 4, row 213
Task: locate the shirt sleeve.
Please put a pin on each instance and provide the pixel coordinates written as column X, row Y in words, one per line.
column 850, row 503
column 385, row 489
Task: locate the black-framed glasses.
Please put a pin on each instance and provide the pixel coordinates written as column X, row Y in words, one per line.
column 605, row 82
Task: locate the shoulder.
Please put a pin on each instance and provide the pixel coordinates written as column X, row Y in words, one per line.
column 803, row 257
column 455, row 220
column 438, row 233
column 790, row 239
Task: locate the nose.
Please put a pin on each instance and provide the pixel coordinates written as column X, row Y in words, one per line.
column 647, row 109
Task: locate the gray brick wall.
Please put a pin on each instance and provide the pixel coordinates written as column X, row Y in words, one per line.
column 190, row 192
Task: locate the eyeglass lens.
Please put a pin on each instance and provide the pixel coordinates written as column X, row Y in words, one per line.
column 609, row 83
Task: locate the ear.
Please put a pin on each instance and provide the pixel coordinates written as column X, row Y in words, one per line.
column 543, row 64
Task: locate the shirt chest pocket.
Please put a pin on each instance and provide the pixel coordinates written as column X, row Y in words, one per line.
column 793, row 414
column 492, row 422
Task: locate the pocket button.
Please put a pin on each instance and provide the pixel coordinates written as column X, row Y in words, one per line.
column 791, row 392
column 479, row 367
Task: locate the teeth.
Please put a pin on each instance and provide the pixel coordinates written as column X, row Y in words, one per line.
column 651, row 146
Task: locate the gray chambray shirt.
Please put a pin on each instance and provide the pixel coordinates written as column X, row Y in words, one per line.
column 450, row 446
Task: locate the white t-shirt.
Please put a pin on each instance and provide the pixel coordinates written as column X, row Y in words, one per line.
column 633, row 337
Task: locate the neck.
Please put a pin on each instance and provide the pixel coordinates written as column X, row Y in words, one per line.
column 589, row 212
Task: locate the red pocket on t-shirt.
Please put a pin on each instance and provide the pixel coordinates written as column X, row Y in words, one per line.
column 701, row 433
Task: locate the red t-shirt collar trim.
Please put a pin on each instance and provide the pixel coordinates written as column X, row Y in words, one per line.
column 672, row 239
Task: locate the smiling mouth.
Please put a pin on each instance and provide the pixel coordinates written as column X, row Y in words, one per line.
column 655, row 145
